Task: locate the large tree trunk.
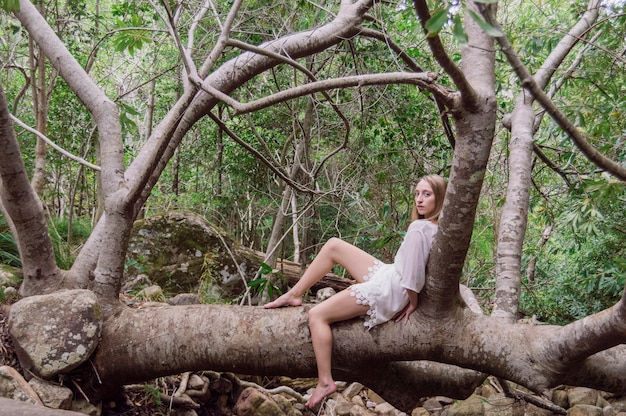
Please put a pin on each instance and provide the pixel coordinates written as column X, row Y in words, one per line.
column 515, row 212
column 147, row 343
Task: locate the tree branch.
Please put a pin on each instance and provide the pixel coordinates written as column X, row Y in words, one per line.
column 468, row 95
column 26, row 213
column 54, row 145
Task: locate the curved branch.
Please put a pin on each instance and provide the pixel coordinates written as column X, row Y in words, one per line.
column 468, row 94
column 423, row 79
column 439, row 101
column 54, row 145
column 279, row 172
column 99, row 105
column 311, row 77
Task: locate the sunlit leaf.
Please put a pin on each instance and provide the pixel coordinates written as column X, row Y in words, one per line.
column 490, row 30
column 459, row 31
column 436, row 22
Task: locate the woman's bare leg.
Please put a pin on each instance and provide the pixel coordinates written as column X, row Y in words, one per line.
column 339, row 307
column 334, row 251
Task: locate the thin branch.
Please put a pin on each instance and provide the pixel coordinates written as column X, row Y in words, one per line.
column 468, row 95
column 54, row 145
column 423, row 79
column 312, row 78
column 443, row 114
column 282, row 174
column 223, row 38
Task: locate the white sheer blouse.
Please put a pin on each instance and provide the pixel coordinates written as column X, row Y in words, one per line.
column 385, row 287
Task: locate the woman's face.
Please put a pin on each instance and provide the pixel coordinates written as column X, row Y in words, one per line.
column 424, row 199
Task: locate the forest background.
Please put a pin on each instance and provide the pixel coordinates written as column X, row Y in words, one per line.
column 346, row 106
column 574, row 254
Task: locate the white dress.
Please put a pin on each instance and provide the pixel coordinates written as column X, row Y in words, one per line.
column 385, row 286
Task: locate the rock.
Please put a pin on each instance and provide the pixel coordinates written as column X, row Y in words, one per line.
column 177, row 250
column 432, row 405
column 10, row 407
column 339, row 407
column 488, row 390
column 420, row 411
column 500, row 405
column 325, row 293
column 153, row 292
column 358, row 400
column 619, row 404
column 470, row 407
column 582, row 395
column 532, row 410
column 560, row 398
column 385, row 409
column 352, row 390
column 55, row 333
column 85, row 408
column 10, row 293
column 185, row 299
column 373, row 396
column 52, row 395
column 13, row 386
column 585, row 410
column 253, row 402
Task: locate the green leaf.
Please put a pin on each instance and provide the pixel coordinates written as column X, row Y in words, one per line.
column 486, row 1
column 490, row 30
column 265, row 268
column 11, row 5
column 459, row 31
column 436, row 22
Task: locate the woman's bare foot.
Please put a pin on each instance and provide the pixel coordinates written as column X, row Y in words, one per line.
column 286, row 299
column 321, row 391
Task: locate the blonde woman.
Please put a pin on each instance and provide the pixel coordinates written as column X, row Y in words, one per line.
column 383, row 291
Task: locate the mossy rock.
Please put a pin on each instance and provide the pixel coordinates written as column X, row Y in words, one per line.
column 10, row 276
column 180, row 250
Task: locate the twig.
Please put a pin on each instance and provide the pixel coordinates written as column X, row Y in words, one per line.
column 53, row 145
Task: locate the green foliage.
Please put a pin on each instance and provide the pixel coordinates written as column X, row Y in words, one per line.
column 8, row 250
column 10, row 5
column 265, row 281
column 582, row 269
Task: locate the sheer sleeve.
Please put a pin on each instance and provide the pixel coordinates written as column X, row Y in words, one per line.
column 412, row 256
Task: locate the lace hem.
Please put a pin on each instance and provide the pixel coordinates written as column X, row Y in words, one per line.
column 361, row 299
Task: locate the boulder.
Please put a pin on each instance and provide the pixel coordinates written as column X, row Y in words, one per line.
column 52, row 395
column 582, row 395
column 254, row 402
column 585, row 410
column 182, row 252
column 13, row 386
column 55, row 333
column 178, row 250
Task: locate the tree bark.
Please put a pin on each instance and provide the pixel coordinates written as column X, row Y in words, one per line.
column 148, row 343
column 514, row 216
column 21, row 203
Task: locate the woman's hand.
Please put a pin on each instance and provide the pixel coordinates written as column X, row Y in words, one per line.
column 408, row 309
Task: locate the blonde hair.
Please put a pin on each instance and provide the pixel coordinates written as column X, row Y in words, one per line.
column 438, row 185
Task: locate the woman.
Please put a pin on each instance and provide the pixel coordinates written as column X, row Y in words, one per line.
column 383, row 291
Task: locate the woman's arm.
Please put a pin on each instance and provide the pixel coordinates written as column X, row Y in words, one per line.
column 409, row 308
